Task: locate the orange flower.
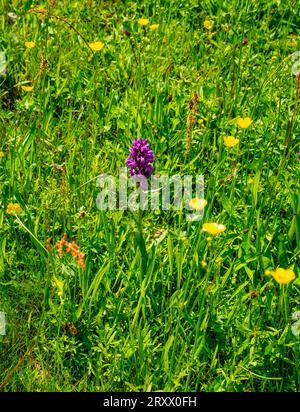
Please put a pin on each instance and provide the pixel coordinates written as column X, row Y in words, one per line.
column 48, row 244
column 73, row 248
column 60, row 244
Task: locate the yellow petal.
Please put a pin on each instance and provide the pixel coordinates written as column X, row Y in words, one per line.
column 230, row 141
column 244, row 123
column 198, row 204
column 208, row 24
column 283, row 276
column 96, row 45
column 27, row 88
column 154, row 26
column 213, row 228
column 143, row 22
column 13, row 209
column 30, row 44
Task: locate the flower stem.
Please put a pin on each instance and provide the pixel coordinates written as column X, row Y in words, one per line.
column 141, row 243
column 283, row 303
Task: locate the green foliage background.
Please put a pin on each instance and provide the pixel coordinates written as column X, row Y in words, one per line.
column 179, row 326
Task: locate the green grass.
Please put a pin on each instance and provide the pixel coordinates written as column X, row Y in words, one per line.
column 174, row 325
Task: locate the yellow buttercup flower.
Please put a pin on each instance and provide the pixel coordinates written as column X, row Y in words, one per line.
column 213, row 228
column 204, row 264
column 27, row 88
column 96, row 45
column 250, row 181
column 154, row 26
column 244, row 123
column 283, row 276
column 230, row 141
column 2, row 154
column 30, row 44
column 143, row 22
column 13, row 209
column 197, row 204
column 208, row 24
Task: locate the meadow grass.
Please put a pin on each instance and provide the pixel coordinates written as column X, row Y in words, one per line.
column 202, row 315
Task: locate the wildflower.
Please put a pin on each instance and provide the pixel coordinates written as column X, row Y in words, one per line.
column 143, row 22
column 250, row 181
column 13, row 209
column 12, row 17
column 245, row 41
column 60, row 244
column 244, row 123
column 140, row 159
column 208, row 24
column 197, row 204
column 154, row 26
column 2, row 154
column 283, row 276
column 30, row 44
column 27, row 88
column 71, row 247
column 203, row 264
column 213, row 228
column 298, row 156
column 96, row 45
column 48, row 244
column 81, row 212
column 126, row 32
column 230, row 141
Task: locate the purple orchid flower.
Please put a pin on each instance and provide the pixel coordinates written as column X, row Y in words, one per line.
column 140, row 159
